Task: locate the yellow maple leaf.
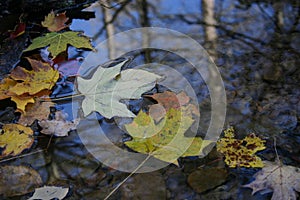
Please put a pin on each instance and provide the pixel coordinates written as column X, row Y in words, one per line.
column 42, row 76
column 240, row 153
column 14, row 138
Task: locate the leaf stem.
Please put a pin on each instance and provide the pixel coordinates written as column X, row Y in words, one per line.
column 133, row 172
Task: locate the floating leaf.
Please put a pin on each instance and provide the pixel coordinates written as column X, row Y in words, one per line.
column 204, row 179
column 58, row 127
column 58, row 42
column 18, row 30
column 5, row 84
column 104, row 91
column 18, row 180
column 240, row 152
column 168, row 100
column 55, row 22
column 50, row 192
column 14, row 139
column 284, row 180
column 167, row 141
column 22, row 101
column 42, row 76
column 9, row 85
column 37, row 111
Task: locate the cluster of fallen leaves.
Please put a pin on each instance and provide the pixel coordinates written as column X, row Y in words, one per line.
column 159, row 132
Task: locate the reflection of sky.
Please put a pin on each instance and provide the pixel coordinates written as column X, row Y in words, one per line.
column 256, row 21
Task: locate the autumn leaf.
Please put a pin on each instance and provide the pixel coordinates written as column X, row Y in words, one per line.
column 168, row 100
column 49, row 192
column 5, row 85
column 14, row 139
column 166, row 139
column 241, row 153
column 18, row 30
column 284, row 180
column 58, row 42
column 18, row 180
column 59, row 126
column 35, row 111
column 42, row 76
column 104, row 91
column 21, row 100
column 55, row 22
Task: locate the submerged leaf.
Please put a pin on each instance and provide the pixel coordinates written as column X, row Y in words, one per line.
column 49, row 192
column 284, row 180
column 18, row 180
column 58, row 42
column 204, row 179
column 14, row 139
column 104, row 91
column 241, row 153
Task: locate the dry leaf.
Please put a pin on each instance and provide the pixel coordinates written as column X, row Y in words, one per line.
column 168, row 100
column 18, row 180
column 58, row 127
column 49, row 192
column 38, row 110
column 14, row 138
column 284, row 180
column 55, row 22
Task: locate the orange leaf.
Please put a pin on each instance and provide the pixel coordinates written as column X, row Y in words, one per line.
column 168, row 100
column 55, row 22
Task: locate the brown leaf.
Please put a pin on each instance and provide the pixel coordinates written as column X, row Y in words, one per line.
column 18, row 180
column 38, row 110
column 284, row 180
column 168, row 100
column 58, row 127
column 55, row 22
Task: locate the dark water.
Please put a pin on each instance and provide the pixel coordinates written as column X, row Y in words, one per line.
column 255, row 46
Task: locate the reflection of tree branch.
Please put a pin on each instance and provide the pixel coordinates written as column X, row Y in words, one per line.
column 104, row 4
column 113, row 18
column 227, row 31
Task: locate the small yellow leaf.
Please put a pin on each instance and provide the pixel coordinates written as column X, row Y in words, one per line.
column 14, row 138
column 240, row 153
